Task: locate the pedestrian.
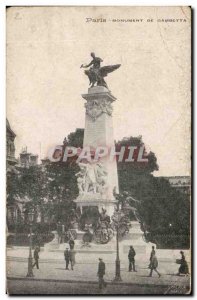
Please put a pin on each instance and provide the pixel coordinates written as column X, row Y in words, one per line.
column 72, row 258
column 101, row 273
column 131, row 257
column 151, row 254
column 36, row 257
column 71, row 244
column 154, row 265
column 183, row 269
column 67, row 258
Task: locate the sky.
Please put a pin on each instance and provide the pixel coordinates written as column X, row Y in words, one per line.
column 45, row 49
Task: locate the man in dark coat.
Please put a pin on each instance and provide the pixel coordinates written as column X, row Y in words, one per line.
column 101, row 273
column 67, row 258
column 36, row 257
column 154, row 266
column 151, row 255
column 152, row 252
column 131, row 257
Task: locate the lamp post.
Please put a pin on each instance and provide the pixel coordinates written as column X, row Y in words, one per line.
column 123, row 204
column 116, row 218
column 30, row 259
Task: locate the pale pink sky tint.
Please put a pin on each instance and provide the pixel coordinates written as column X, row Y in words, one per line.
column 47, row 45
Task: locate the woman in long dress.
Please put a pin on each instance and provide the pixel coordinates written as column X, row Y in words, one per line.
column 183, row 269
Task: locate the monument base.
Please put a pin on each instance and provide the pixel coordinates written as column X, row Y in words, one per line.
column 92, row 251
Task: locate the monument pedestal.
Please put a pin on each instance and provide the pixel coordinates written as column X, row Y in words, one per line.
column 90, row 253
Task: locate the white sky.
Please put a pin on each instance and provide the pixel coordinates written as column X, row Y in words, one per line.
column 45, row 48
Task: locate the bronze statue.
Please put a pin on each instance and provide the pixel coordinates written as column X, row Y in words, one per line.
column 97, row 73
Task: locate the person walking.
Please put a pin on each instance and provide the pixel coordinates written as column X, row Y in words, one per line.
column 151, row 254
column 36, row 257
column 67, row 258
column 72, row 258
column 101, row 273
column 131, row 257
column 154, row 265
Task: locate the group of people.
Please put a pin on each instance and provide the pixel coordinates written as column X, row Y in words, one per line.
column 153, row 265
column 183, row 269
column 69, row 255
column 153, row 261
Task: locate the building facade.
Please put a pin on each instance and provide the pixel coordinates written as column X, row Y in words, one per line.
column 13, row 208
column 27, row 159
column 182, row 183
column 10, row 147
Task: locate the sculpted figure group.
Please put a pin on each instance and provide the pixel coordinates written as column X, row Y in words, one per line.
column 92, row 178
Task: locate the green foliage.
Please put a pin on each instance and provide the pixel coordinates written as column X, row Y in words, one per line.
column 61, row 190
column 50, row 189
column 164, row 211
column 75, row 139
column 13, row 188
column 136, row 166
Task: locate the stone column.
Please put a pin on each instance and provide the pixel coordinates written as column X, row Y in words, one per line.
column 99, row 132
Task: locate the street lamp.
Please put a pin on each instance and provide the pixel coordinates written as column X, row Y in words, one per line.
column 30, row 259
column 116, row 218
column 122, row 202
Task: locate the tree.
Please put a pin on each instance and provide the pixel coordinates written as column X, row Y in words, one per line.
column 164, row 211
column 61, row 190
column 75, row 139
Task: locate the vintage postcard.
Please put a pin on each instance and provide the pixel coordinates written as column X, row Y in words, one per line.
column 98, row 150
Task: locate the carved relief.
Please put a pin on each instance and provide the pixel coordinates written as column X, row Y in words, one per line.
column 92, row 178
column 95, row 108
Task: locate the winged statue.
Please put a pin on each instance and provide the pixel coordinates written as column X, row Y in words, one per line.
column 96, row 73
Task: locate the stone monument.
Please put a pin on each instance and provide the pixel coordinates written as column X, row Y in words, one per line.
column 97, row 180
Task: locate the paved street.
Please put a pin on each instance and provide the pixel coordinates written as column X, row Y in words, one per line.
column 60, row 287
column 76, row 281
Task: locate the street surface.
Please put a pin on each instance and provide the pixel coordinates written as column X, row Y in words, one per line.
column 53, row 278
column 43, row 287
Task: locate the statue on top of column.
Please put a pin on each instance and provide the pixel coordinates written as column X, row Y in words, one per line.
column 96, row 73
